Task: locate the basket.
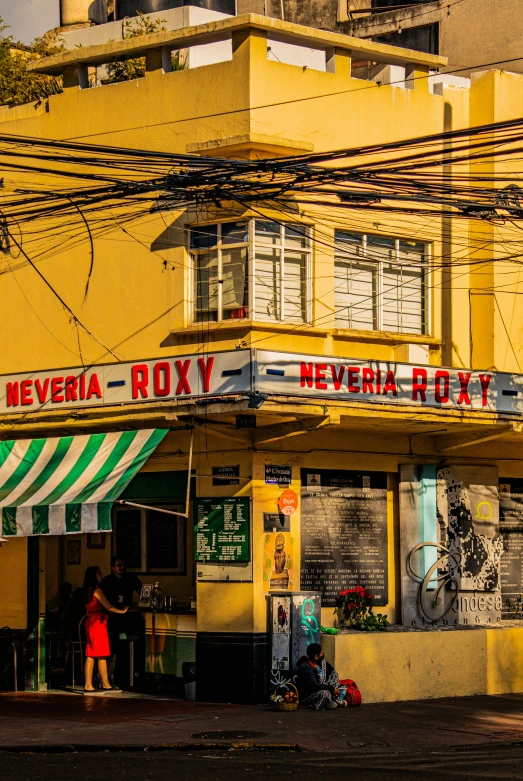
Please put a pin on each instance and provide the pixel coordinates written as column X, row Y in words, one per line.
column 286, row 706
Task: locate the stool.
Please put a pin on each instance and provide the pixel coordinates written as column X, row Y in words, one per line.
column 131, row 638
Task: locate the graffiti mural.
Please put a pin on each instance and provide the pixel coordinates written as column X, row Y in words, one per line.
column 295, row 624
column 456, row 559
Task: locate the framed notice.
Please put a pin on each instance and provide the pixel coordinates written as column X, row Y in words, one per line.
column 344, row 533
column 222, row 530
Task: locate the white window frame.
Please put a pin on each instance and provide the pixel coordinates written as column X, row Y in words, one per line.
column 252, row 245
column 218, row 249
column 425, row 266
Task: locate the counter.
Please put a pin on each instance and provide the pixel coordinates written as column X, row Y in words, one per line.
column 170, row 640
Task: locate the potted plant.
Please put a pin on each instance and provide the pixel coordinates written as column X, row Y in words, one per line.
column 354, row 611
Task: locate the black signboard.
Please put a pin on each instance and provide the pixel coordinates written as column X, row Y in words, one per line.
column 222, row 529
column 511, row 529
column 225, row 475
column 344, row 533
column 276, row 522
column 278, row 475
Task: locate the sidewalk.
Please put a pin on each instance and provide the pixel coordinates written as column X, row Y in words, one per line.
column 110, row 721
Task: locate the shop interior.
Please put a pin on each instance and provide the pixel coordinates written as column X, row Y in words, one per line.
column 159, row 549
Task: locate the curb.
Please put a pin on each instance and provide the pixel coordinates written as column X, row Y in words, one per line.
column 114, row 748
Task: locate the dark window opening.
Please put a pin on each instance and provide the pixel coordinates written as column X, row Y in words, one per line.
column 421, row 39
column 396, row 3
column 126, row 8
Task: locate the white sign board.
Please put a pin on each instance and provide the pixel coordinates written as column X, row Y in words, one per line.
column 186, row 376
column 244, row 372
column 313, row 376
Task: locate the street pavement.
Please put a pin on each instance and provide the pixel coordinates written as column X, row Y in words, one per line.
column 57, row 737
column 490, row 763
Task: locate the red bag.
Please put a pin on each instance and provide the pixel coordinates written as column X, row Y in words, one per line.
column 353, row 695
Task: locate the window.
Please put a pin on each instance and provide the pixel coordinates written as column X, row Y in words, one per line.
column 380, row 283
column 256, row 269
column 150, row 541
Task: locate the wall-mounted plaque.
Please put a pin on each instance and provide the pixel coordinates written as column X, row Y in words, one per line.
column 344, row 533
column 225, row 475
column 278, row 475
column 222, row 529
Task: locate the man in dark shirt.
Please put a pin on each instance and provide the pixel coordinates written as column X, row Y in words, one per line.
column 120, row 585
column 119, row 588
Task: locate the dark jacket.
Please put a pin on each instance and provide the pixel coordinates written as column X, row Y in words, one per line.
column 307, row 679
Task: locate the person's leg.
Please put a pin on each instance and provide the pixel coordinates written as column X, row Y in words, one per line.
column 89, row 667
column 102, row 669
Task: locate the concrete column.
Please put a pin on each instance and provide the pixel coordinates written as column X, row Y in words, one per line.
column 82, row 12
column 76, row 76
column 158, row 60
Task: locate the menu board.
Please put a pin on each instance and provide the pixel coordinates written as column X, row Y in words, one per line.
column 344, row 533
column 511, row 529
column 222, row 529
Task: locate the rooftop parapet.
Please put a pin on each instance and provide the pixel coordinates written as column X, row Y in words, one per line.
column 153, row 45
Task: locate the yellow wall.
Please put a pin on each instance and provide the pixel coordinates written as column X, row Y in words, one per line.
column 13, row 584
column 413, row 665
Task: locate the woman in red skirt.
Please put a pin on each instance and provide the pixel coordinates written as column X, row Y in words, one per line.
column 98, row 609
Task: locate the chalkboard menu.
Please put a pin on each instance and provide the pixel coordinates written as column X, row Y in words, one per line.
column 511, row 529
column 344, row 533
column 222, row 529
column 129, row 537
column 162, row 541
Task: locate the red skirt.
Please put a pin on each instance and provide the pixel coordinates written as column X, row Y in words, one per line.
column 96, row 634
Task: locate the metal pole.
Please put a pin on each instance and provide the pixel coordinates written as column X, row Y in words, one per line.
column 189, row 469
column 148, row 507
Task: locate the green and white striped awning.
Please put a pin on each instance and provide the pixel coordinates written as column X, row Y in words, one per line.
column 68, row 484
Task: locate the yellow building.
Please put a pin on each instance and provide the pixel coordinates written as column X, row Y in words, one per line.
column 352, row 375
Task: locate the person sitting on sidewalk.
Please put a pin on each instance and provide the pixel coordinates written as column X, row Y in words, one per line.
column 318, row 682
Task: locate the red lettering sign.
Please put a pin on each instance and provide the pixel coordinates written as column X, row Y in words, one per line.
column 57, row 388
column 206, row 371
column 464, row 380
column 162, row 378
column 306, row 373
column 94, row 387
column 71, row 389
column 367, row 376
column 337, row 377
column 441, row 396
column 42, row 390
column 140, row 381
column 485, row 382
column 390, row 384
column 13, row 394
column 319, row 376
column 419, row 384
column 183, row 380
column 353, row 380
column 25, row 394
